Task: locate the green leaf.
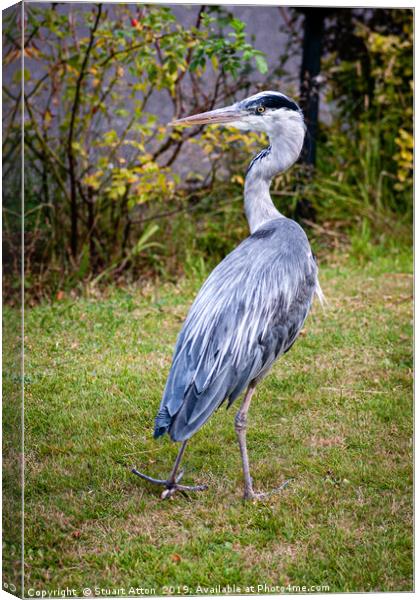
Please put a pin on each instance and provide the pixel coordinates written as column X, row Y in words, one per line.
column 142, row 242
column 261, row 64
column 237, row 25
column 74, row 60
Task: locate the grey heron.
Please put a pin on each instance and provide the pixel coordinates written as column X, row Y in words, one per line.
column 253, row 305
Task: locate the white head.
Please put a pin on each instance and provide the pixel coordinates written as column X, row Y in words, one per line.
column 269, row 112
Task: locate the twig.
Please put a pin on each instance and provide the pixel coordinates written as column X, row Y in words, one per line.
column 333, row 389
column 320, row 228
column 48, row 152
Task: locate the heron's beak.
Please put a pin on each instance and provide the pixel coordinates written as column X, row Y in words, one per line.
column 220, row 115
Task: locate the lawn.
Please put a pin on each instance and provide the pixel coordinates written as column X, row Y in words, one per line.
column 334, row 415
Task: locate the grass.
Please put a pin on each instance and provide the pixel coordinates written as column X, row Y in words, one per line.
column 335, row 415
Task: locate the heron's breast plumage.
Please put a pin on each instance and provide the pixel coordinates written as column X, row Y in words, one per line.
column 248, row 312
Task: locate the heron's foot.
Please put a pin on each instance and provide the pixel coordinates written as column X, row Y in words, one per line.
column 249, row 493
column 171, row 486
column 174, row 487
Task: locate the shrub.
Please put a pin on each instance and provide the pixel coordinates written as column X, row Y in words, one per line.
column 98, row 162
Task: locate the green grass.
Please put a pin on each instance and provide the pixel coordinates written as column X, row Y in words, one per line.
column 335, row 415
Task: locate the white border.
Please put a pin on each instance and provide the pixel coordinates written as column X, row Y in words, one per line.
column 321, row 3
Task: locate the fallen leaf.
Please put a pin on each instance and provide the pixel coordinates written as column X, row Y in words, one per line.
column 175, row 558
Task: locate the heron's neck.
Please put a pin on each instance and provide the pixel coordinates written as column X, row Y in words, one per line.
column 283, row 151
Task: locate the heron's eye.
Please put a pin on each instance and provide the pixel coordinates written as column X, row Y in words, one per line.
column 261, row 109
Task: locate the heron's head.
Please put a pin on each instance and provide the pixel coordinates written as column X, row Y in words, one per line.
column 270, row 112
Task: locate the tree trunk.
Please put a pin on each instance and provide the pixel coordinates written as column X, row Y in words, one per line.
column 309, row 85
column 309, row 96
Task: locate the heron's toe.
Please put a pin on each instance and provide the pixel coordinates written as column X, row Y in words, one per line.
column 179, row 476
column 249, row 494
column 168, row 493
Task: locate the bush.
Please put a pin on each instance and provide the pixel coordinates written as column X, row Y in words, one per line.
column 98, row 162
column 365, row 168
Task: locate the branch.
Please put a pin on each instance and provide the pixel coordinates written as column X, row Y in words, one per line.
column 39, row 83
column 70, row 154
column 131, row 49
column 188, row 208
column 46, row 148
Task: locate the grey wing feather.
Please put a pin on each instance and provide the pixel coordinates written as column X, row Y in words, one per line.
column 249, row 311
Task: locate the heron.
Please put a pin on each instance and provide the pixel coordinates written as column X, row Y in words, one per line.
column 253, row 305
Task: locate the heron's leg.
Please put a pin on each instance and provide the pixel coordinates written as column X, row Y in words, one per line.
column 240, row 428
column 177, row 461
column 172, row 483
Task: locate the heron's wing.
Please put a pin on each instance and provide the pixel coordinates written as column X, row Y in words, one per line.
column 250, row 310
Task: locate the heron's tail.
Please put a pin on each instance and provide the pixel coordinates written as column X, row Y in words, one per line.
column 162, row 422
